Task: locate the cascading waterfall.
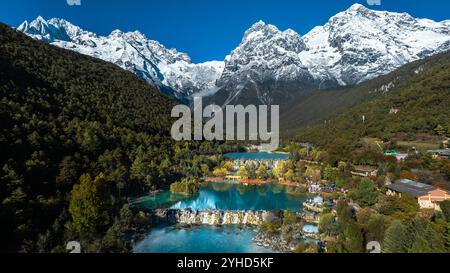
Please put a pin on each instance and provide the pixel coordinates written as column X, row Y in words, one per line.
column 217, row 217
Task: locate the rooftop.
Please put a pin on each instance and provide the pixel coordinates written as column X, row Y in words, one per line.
column 441, row 152
column 413, row 188
column 365, row 168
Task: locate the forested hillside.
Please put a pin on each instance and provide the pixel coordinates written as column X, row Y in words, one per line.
column 324, row 105
column 78, row 137
column 414, row 101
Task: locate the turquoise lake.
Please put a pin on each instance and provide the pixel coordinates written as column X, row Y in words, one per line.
column 211, row 239
column 228, row 196
column 202, row 239
column 256, row 156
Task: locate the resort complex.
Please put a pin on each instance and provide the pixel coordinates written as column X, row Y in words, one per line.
column 428, row 197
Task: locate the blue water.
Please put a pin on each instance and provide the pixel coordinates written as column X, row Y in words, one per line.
column 159, row 200
column 229, row 196
column 256, row 156
column 209, row 239
column 202, row 239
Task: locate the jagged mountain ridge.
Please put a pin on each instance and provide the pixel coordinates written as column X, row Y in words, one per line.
column 269, row 66
column 354, row 46
column 166, row 69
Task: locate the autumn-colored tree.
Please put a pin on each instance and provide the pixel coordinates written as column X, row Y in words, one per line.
column 242, row 172
column 262, row 172
column 408, row 175
column 229, row 165
column 440, row 130
column 220, row 172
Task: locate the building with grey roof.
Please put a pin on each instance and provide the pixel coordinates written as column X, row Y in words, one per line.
column 410, row 187
column 428, row 196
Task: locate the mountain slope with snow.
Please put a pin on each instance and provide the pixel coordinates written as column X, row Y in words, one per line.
column 354, row 46
column 269, row 65
column 360, row 44
column 167, row 69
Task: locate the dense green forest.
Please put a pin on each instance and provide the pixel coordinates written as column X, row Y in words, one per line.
column 412, row 102
column 78, row 138
column 325, row 105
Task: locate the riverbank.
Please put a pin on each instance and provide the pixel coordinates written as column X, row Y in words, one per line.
column 256, row 182
column 288, row 237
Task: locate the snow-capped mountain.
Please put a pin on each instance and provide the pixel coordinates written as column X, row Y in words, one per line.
column 360, row 44
column 266, row 61
column 167, row 69
column 354, row 46
column 269, row 65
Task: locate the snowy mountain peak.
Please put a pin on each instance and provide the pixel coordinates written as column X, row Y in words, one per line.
column 357, row 8
column 265, row 54
column 38, row 26
column 355, row 45
column 257, row 26
column 116, row 33
column 360, row 44
column 167, row 69
column 53, row 29
column 260, row 28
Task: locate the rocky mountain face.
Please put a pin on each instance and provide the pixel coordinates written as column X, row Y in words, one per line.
column 354, row 46
column 167, row 69
column 269, row 66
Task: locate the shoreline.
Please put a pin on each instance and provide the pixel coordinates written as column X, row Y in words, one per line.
column 255, row 182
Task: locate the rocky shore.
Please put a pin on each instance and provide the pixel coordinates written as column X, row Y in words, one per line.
column 273, row 242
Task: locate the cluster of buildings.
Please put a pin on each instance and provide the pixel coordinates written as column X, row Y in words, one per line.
column 437, row 154
column 398, row 156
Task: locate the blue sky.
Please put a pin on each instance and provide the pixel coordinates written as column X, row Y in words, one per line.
column 205, row 29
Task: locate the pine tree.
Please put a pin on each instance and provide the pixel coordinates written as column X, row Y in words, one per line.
column 366, row 194
column 424, row 238
column 420, row 245
column 396, row 238
column 447, row 237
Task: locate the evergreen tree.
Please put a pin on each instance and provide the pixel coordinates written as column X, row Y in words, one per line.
column 424, row 239
column 89, row 205
column 366, row 193
column 351, row 235
column 396, row 238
